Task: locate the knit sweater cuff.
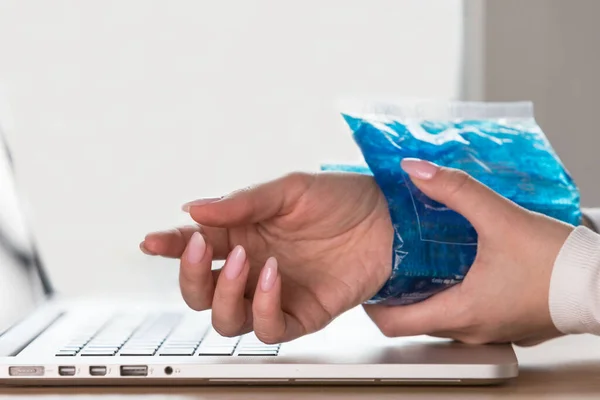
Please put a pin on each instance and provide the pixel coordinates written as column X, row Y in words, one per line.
column 575, row 284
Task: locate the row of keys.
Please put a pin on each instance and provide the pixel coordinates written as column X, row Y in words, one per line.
column 165, row 335
column 150, row 336
column 108, row 340
column 185, row 339
column 250, row 345
column 217, row 345
column 79, row 341
column 112, row 337
column 82, row 338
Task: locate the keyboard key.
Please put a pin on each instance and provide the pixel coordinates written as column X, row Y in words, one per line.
column 214, row 339
column 71, row 348
column 259, row 346
column 181, row 345
column 139, row 352
column 66, row 353
column 245, row 353
column 250, row 351
column 216, row 351
column 97, row 353
column 136, row 351
column 102, row 347
column 99, row 350
column 220, row 342
column 136, row 344
column 106, row 344
column 183, row 342
column 177, row 351
column 78, row 344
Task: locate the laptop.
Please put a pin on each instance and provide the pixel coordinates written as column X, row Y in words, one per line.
column 48, row 339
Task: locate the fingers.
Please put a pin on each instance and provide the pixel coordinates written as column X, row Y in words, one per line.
column 232, row 313
column 271, row 323
column 172, row 242
column 435, row 314
column 253, row 204
column 195, row 276
column 456, row 189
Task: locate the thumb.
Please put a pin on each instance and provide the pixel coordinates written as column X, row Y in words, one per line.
column 439, row 313
column 251, row 205
column 460, row 192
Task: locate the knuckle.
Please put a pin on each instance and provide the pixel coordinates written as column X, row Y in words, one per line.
column 238, row 192
column 224, row 295
column 298, row 181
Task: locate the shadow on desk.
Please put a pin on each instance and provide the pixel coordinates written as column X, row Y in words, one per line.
column 572, row 381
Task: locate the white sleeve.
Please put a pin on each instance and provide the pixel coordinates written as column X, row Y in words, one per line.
column 593, row 216
column 575, row 284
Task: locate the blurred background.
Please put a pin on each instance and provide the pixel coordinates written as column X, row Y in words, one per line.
column 118, row 111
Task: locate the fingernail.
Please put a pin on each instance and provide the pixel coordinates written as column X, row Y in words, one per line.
column 145, row 250
column 269, row 275
column 199, row 202
column 196, row 248
column 419, row 169
column 235, row 263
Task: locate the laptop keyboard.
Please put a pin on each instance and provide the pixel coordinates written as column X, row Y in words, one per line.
column 167, row 334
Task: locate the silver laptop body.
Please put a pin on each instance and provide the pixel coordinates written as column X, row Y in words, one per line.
column 46, row 339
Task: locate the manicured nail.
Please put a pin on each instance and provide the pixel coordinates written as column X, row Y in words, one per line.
column 196, row 248
column 235, row 263
column 199, row 202
column 145, row 250
column 269, row 275
column 419, row 169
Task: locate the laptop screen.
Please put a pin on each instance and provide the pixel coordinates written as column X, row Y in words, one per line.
column 20, row 280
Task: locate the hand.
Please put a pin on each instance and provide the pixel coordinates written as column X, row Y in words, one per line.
column 323, row 243
column 504, row 297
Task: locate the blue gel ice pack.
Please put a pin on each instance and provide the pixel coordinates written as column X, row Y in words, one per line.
column 498, row 144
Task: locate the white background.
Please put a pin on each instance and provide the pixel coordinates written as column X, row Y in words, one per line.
column 122, row 110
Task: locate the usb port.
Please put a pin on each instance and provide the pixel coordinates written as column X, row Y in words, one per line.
column 97, row 370
column 66, row 371
column 134, row 370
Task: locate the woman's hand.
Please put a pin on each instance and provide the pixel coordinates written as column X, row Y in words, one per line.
column 504, row 297
column 330, row 236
